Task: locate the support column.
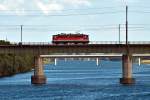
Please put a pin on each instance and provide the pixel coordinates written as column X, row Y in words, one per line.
column 97, row 61
column 38, row 77
column 127, row 70
column 55, row 61
column 65, row 59
column 139, row 61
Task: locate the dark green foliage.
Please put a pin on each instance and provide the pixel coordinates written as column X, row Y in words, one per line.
column 3, row 42
column 11, row 64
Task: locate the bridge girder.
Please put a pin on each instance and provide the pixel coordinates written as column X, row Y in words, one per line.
column 93, row 48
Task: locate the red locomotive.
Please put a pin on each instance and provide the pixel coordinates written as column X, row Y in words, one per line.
column 70, row 38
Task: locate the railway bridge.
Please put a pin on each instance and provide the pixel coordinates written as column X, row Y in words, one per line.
column 42, row 50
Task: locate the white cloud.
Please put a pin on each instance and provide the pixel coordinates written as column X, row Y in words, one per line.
column 17, row 6
column 58, row 5
column 2, row 7
column 78, row 2
column 47, row 8
column 128, row 1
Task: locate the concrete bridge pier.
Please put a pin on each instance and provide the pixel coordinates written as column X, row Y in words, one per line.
column 127, row 70
column 97, row 61
column 38, row 77
column 139, row 60
column 55, row 62
column 88, row 59
column 65, row 59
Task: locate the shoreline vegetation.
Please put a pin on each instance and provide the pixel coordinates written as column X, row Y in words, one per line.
column 14, row 64
column 11, row 64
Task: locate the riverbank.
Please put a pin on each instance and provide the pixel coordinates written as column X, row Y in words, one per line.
column 13, row 64
column 145, row 61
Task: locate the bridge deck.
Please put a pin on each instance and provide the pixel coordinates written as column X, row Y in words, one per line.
column 46, row 49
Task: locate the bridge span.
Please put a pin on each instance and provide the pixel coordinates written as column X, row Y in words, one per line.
column 126, row 51
column 96, row 47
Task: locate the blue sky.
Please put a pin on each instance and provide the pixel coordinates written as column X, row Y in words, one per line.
column 99, row 18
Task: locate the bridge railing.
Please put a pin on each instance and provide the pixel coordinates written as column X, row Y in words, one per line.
column 139, row 42
column 121, row 42
column 105, row 42
column 31, row 43
column 91, row 42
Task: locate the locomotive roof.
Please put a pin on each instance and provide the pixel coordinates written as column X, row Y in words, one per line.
column 70, row 34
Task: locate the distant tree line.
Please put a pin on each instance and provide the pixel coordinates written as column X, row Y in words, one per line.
column 3, row 42
column 11, row 64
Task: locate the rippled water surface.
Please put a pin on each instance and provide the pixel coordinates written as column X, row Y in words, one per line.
column 79, row 80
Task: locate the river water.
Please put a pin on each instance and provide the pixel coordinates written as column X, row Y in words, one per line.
column 79, row 80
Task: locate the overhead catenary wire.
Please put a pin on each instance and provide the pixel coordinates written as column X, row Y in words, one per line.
column 73, row 14
column 95, row 11
column 33, row 10
column 67, row 29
